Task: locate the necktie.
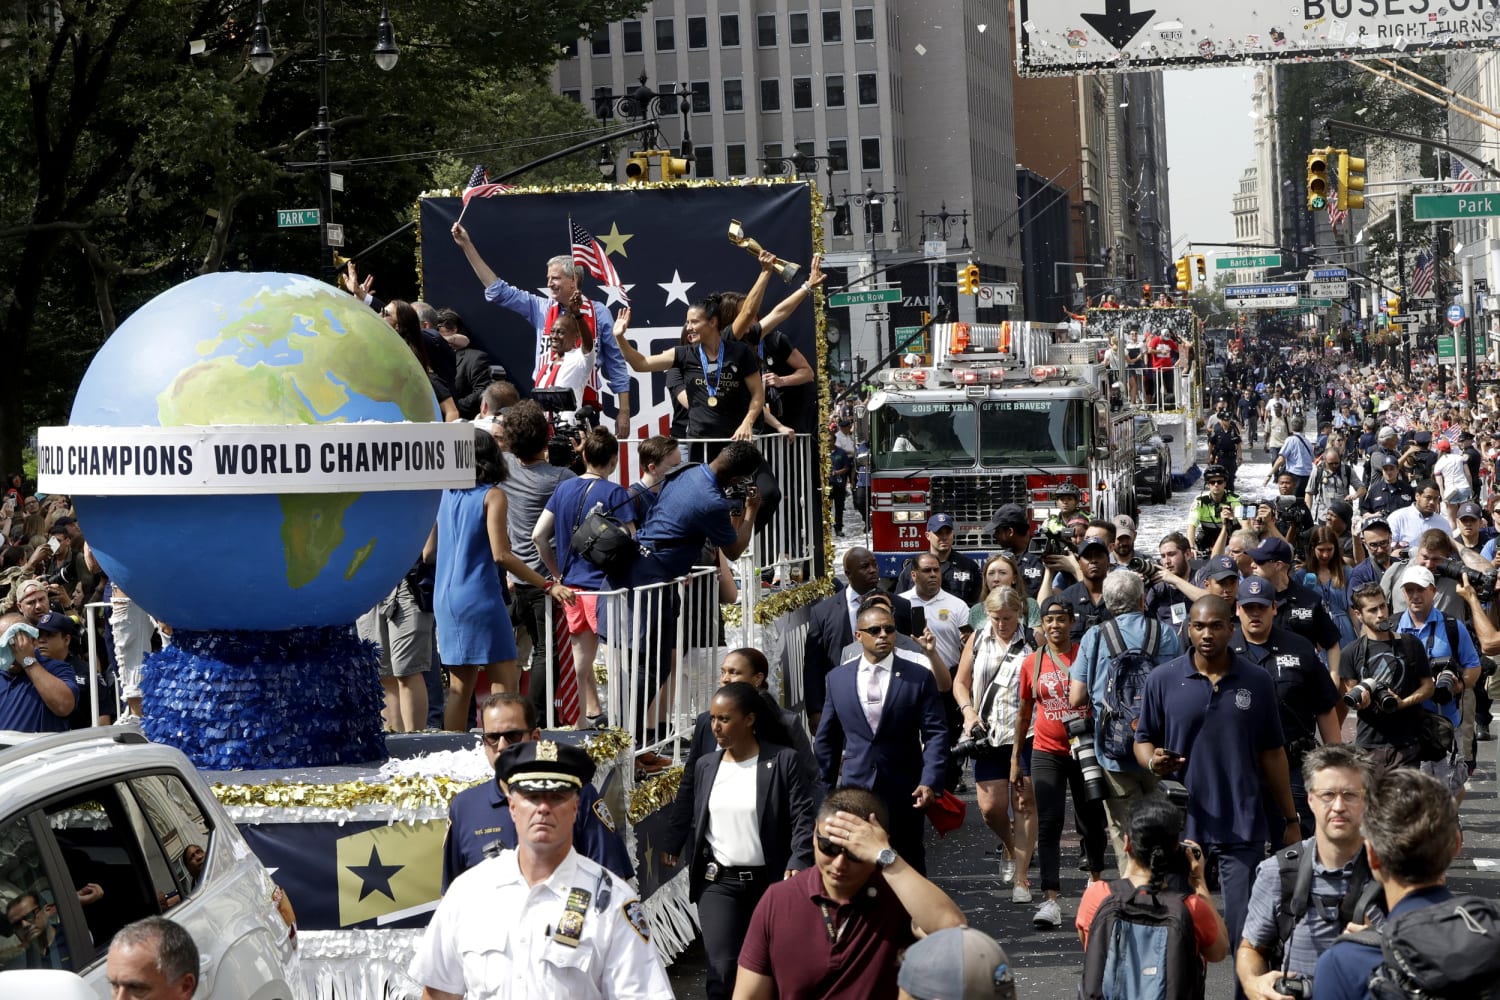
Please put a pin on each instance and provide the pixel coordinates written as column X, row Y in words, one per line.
column 872, row 698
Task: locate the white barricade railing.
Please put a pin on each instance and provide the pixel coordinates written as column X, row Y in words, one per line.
column 1158, row 389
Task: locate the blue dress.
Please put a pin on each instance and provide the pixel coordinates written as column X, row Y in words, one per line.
column 1336, row 601
column 468, row 603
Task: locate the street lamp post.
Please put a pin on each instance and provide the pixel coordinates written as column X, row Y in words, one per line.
column 644, row 106
column 262, row 59
column 870, row 199
column 940, row 223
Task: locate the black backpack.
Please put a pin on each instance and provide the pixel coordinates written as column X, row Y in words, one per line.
column 1445, row 951
column 1142, row 945
column 1294, row 868
column 1124, row 685
column 601, row 538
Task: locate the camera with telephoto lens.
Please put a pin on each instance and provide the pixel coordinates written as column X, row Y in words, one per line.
column 1081, row 745
column 567, row 431
column 1053, row 540
column 978, row 742
column 1300, row 987
column 1146, row 569
column 1380, row 685
column 1446, row 680
column 1455, row 569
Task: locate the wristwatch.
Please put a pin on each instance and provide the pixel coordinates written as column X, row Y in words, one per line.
column 885, row 858
column 29, row 661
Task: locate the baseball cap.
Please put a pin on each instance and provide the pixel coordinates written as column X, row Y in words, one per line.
column 1256, row 590
column 957, row 963
column 1443, row 445
column 1470, row 509
column 1419, row 576
column 1375, row 520
column 1124, row 525
column 1271, row 550
column 1055, row 605
column 1380, row 460
column 1387, row 432
column 1092, row 542
column 1010, row 516
column 52, row 621
column 1423, row 437
column 1221, row 568
column 938, row 522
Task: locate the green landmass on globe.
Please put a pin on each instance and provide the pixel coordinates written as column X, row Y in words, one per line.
column 274, row 365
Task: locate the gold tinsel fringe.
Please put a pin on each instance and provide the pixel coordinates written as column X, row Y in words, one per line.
column 653, row 793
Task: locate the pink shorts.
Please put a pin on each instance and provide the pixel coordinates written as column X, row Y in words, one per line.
column 583, row 614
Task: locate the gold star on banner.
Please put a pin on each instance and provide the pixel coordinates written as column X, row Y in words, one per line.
column 614, row 240
column 388, row 870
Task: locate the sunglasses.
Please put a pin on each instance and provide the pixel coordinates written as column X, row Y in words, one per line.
column 833, row 850
column 26, row 918
column 879, row 630
column 509, row 736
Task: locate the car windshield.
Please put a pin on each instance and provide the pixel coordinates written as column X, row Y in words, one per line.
column 923, row 433
column 1043, row 432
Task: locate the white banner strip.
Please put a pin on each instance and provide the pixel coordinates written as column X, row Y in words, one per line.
column 295, row 458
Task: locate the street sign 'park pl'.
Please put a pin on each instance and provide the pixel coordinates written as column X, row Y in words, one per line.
column 1442, row 207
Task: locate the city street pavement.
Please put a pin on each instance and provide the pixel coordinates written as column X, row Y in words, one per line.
column 1048, row 963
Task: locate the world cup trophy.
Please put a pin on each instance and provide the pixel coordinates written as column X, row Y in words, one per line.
column 785, row 268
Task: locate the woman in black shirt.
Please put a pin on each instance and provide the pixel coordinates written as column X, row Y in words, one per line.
column 784, row 368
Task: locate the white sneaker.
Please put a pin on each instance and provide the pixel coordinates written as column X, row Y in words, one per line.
column 1007, row 870
column 1021, row 893
column 1048, row 916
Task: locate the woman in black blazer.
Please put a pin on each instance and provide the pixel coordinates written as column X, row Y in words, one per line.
column 751, row 824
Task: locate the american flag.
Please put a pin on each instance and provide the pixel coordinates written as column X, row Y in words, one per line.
column 1462, row 175
column 479, row 185
column 588, row 254
column 1423, row 277
column 1451, row 433
column 1336, row 217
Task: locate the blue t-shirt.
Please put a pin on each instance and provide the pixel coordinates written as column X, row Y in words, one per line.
column 569, row 505
column 22, row 709
column 1222, row 731
column 1344, row 971
column 1434, row 638
column 692, row 511
column 1091, row 669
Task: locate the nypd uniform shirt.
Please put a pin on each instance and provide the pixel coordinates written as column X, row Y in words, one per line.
column 1303, row 685
column 1301, row 610
column 961, row 577
column 479, row 827
column 493, row 936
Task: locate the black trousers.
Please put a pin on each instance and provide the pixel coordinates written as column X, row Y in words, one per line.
column 1053, row 776
column 724, row 912
column 907, row 828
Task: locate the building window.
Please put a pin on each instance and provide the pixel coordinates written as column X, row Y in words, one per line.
column 772, row 151
column 838, row 154
column 841, row 219
column 697, row 32
column 703, row 166
column 570, row 48
column 603, row 106
column 802, row 92
column 864, row 24
column 632, row 32
column 765, row 31
column 729, row 31
column 869, row 154
column 700, row 97
column 805, row 148
column 573, row 96
column 833, row 26
column 600, row 41
column 734, row 96
column 833, row 90
column 666, row 34
column 869, row 90
column 770, row 95
column 874, row 218
column 796, row 28
column 734, row 159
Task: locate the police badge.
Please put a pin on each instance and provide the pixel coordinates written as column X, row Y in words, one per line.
column 1242, row 699
column 635, row 915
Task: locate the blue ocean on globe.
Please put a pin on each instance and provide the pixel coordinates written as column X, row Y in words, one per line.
column 255, row 349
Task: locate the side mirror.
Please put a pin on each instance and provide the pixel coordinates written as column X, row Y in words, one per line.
column 1167, row 438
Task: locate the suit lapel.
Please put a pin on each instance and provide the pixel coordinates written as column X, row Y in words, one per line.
column 763, row 774
column 845, row 631
column 892, row 693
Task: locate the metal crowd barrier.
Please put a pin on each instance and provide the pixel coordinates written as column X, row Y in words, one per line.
column 1160, row 390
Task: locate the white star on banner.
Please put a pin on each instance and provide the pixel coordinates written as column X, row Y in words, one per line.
column 620, row 294
column 676, row 289
column 545, row 292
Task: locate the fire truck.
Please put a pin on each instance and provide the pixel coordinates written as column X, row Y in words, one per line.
column 1000, row 415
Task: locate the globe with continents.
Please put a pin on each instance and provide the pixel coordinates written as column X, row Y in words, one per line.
column 237, row 349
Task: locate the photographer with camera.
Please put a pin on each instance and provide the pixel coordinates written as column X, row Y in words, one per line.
column 1092, row 565
column 1453, row 660
column 1011, row 529
column 1168, row 592
column 1306, row 895
column 1213, row 514
column 1385, row 677
column 1332, row 482
column 1286, row 515
column 1305, row 689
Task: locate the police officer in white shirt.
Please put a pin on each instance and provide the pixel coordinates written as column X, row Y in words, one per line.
column 541, row 921
column 947, row 616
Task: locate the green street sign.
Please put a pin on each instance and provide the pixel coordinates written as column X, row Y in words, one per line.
column 906, row 337
column 1247, row 263
column 1314, row 303
column 873, row 297
column 289, row 217
column 1448, row 347
column 1440, row 207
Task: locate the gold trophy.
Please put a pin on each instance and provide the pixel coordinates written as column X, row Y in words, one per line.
column 785, row 268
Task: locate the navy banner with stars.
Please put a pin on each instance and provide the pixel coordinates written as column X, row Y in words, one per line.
column 669, row 245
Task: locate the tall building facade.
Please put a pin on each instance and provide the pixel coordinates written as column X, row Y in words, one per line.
column 909, row 99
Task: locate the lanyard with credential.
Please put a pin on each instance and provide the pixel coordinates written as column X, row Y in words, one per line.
column 834, row 933
column 713, row 389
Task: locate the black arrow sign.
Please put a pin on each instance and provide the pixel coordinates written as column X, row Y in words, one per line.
column 1117, row 24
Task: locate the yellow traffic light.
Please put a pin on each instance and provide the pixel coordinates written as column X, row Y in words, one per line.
column 968, row 280
column 1393, row 305
column 1317, row 179
column 673, row 167
column 637, row 168
column 1184, row 275
column 1200, row 265
column 1351, row 181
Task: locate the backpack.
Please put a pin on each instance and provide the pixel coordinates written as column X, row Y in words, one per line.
column 1294, row 868
column 1142, row 946
column 1124, row 685
column 601, row 538
column 1446, row 950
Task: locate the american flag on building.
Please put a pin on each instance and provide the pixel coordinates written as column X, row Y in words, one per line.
column 1463, row 177
column 479, row 185
column 588, row 254
column 1336, row 216
column 1423, row 277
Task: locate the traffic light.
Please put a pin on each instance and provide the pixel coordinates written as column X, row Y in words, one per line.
column 1317, row 179
column 1200, row 265
column 637, row 168
column 1393, row 305
column 1351, row 181
column 1184, row 275
column 673, row 167
column 968, row 280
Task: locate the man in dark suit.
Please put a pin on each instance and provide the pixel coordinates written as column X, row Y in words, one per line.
column 831, row 627
column 883, row 729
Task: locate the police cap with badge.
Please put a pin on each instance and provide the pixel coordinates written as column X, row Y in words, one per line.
column 544, row 766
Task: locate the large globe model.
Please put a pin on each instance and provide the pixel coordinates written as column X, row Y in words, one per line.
column 238, row 348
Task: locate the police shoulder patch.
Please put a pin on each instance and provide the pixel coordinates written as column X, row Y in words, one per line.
column 602, row 811
column 635, row 916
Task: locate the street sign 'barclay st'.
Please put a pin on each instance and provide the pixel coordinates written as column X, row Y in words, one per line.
column 1064, row 37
